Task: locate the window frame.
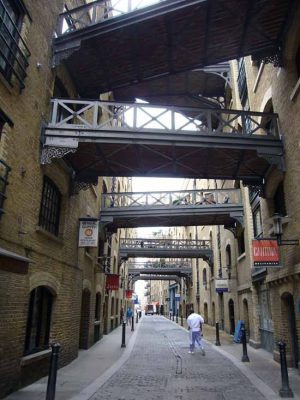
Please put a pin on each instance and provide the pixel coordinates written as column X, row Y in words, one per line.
column 38, row 320
column 49, row 216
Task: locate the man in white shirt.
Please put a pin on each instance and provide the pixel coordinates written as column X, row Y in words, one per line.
column 195, row 322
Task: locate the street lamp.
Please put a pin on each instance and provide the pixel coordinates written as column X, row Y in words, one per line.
column 277, row 221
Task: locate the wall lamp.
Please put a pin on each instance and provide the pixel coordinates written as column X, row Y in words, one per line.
column 277, row 221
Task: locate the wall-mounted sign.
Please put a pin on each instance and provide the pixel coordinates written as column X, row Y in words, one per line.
column 112, row 282
column 221, row 285
column 128, row 293
column 88, row 232
column 177, row 297
column 265, row 253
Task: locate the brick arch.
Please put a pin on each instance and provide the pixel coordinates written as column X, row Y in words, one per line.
column 86, row 284
column 44, row 279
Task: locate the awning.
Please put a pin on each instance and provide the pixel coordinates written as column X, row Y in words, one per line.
column 13, row 262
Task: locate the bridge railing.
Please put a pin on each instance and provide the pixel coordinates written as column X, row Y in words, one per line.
column 158, row 265
column 164, row 244
column 183, row 198
column 85, row 116
column 95, row 12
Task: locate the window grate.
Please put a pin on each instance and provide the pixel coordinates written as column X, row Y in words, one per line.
column 50, row 207
column 14, row 53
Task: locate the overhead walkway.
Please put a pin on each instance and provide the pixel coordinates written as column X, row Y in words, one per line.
column 178, row 208
column 158, row 270
column 106, row 47
column 164, row 248
column 120, row 139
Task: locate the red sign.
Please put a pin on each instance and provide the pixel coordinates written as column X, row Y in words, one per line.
column 128, row 293
column 112, row 282
column 265, row 253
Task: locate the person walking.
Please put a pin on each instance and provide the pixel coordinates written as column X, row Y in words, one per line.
column 129, row 316
column 195, row 322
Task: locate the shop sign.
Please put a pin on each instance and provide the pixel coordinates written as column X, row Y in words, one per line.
column 177, row 297
column 88, row 232
column 265, row 253
column 112, row 281
column 221, row 285
column 128, row 293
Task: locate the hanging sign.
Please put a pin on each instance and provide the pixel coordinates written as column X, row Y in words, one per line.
column 88, row 232
column 221, row 285
column 128, row 293
column 265, row 253
column 112, row 281
column 177, row 297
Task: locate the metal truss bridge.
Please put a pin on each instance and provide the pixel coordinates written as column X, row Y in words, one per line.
column 109, row 47
column 120, row 139
column 172, row 208
column 165, row 248
column 159, row 270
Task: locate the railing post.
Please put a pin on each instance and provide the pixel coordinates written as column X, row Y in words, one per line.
column 123, row 334
column 245, row 357
column 51, row 386
column 285, row 390
column 132, row 323
column 217, row 335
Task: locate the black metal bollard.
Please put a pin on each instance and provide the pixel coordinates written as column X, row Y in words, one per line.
column 170, row 315
column 123, row 334
column 173, row 317
column 132, row 323
column 245, row 357
column 181, row 320
column 137, row 318
column 285, row 390
column 177, row 317
column 51, row 386
column 217, row 335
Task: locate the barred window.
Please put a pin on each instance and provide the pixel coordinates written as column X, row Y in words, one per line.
column 14, row 53
column 50, row 207
column 38, row 320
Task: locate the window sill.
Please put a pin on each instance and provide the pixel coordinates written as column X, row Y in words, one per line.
column 241, row 257
column 49, row 235
column 32, row 358
column 295, row 91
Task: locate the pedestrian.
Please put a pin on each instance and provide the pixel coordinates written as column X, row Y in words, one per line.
column 195, row 322
column 128, row 315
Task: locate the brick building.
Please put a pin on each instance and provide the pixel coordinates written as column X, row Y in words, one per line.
column 50, row 289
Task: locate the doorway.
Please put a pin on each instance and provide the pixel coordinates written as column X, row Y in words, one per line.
column 231, row 317
column 289, row 320
column 85, row 319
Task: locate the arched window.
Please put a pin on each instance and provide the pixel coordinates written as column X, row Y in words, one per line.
column 204, row 277
column 228, row 256
column 38, row 320
column 50, row 207
column 279, row 202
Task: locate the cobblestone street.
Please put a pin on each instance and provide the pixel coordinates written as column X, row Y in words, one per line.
column 160, row 367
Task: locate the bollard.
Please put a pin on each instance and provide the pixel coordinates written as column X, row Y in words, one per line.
column 177, row 318
column 285, row 390
column 181, row 320
column 137, row 318
column 245, row 357
column 123, row 334
column 51, row 386
column 173, row 317
column 132, row 323
column 170, row 315
column 217, row 335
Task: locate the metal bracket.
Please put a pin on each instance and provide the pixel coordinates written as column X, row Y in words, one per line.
column 48, row 153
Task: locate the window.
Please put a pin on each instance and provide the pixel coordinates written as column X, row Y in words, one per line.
column 298, row 61
column 204, row 277
column 38, row 321
column 257, row 223
column 228, row 256
column 4, row 171
column 279, row 202
column 13, row 58
column 50, row 207
column 242, row 82
column 241, row 242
